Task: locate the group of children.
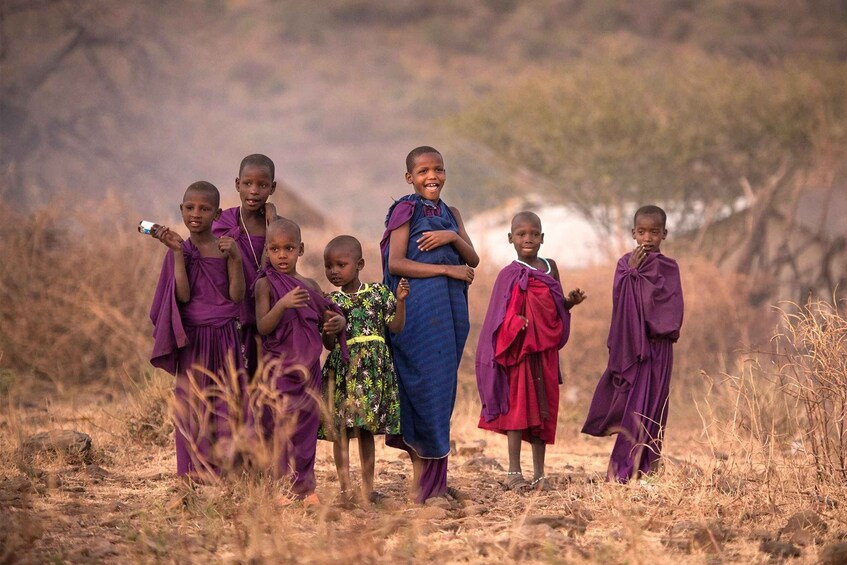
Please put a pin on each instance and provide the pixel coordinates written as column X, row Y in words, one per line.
column 243, row 332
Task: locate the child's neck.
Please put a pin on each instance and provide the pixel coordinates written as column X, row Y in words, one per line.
column 253, row 222
column 535, row 262
column 352, row 286
column 202, row 238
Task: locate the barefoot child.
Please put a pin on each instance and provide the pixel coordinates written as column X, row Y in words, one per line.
column 195, row 327
column 246, row 224
column 632, row 395
column 289, row 316
column 517, row 359
column 362, row 393
column 425, row 241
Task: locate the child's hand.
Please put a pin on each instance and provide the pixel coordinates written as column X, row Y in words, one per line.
column 402, row 290
column 575, row 297
column 228, row 247
column 525, row 322
column 433, row 239
column 461, row 272
column 637, row 257
column 270, row 213
column 164, row 234
column 295, row 298
column 333, row 323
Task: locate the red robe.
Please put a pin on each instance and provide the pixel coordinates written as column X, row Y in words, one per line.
column 531, row 359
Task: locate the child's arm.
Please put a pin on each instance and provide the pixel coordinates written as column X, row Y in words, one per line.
column 400, row 265
column 268, row 317
column 575, row 296
column 270, row 213
column 173, row 241
column 460, row 240
column 332, row 325
column 396, row 325
column 234, row 268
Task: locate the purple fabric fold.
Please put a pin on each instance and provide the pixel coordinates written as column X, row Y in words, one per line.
column 207, row 275
column 491, row 378
column 631, row 396
column 296, row 341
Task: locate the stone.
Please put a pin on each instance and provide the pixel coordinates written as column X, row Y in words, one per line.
column 833, row 554
column 482, row 462
column 804, row 528
column 72, row 444
column 779, row 549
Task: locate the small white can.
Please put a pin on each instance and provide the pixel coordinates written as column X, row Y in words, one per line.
column 145, row 227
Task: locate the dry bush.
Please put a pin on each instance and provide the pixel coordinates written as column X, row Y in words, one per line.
column 812, row 368
column 146, row 416
column 78, row 283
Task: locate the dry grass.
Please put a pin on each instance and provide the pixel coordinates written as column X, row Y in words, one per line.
column 745, row 450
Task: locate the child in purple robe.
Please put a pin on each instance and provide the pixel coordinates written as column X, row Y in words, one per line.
column 632, row 395
column 517, row 359
column 295, row 321
column 195, row 327
column 425, row 242
column 247, row 224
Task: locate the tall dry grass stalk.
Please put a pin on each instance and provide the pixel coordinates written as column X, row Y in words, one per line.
column 811, row 355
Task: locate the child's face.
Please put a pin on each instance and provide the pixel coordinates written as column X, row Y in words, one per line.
column 198, row 211
column 254, row 186
column 284, row 249
column 428, row 176
column 342, row 266
column 527, row 238
column 649, row 232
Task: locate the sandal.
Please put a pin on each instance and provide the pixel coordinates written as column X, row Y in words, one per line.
column 541, row 484
column 375, row 497
column 516, row 483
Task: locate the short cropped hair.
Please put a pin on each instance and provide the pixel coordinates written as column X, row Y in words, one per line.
column 206, row 188
column 284, row 225
column 651, row 210
column 346, row 242
column 417, row 152
column 258, row 160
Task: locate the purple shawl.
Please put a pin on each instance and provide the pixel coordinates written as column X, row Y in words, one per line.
column 297, row 335
column 229, row 224
column 491, row 378
column 646, row 303
column 209, row 306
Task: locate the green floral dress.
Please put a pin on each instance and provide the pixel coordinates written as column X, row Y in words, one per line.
column 362, row 394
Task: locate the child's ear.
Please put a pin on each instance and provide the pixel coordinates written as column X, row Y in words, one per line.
column 542, row 237
column 273, row 187
column 664, row 233
column 180, row 206
column 510, row 237
column 302, row 249
column 633, row 233
column 360, row 264
column 237, row 179
column 409, row 178
column 218, row 213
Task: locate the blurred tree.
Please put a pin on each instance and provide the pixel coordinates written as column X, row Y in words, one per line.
column 697, row 135
column 73, row 73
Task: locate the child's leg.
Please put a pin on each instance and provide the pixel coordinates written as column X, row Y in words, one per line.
column 515, row 437
column 341, row 454
column 539, row 450
column 366, row 460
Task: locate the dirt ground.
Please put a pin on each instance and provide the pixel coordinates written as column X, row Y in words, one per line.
column 124, row 504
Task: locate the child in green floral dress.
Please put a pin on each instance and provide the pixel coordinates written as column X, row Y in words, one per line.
column 361, row 394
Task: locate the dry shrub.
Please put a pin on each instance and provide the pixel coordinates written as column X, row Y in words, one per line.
column 147, row 412
column 79, row 281
column 782, row 412
column 812, row 368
